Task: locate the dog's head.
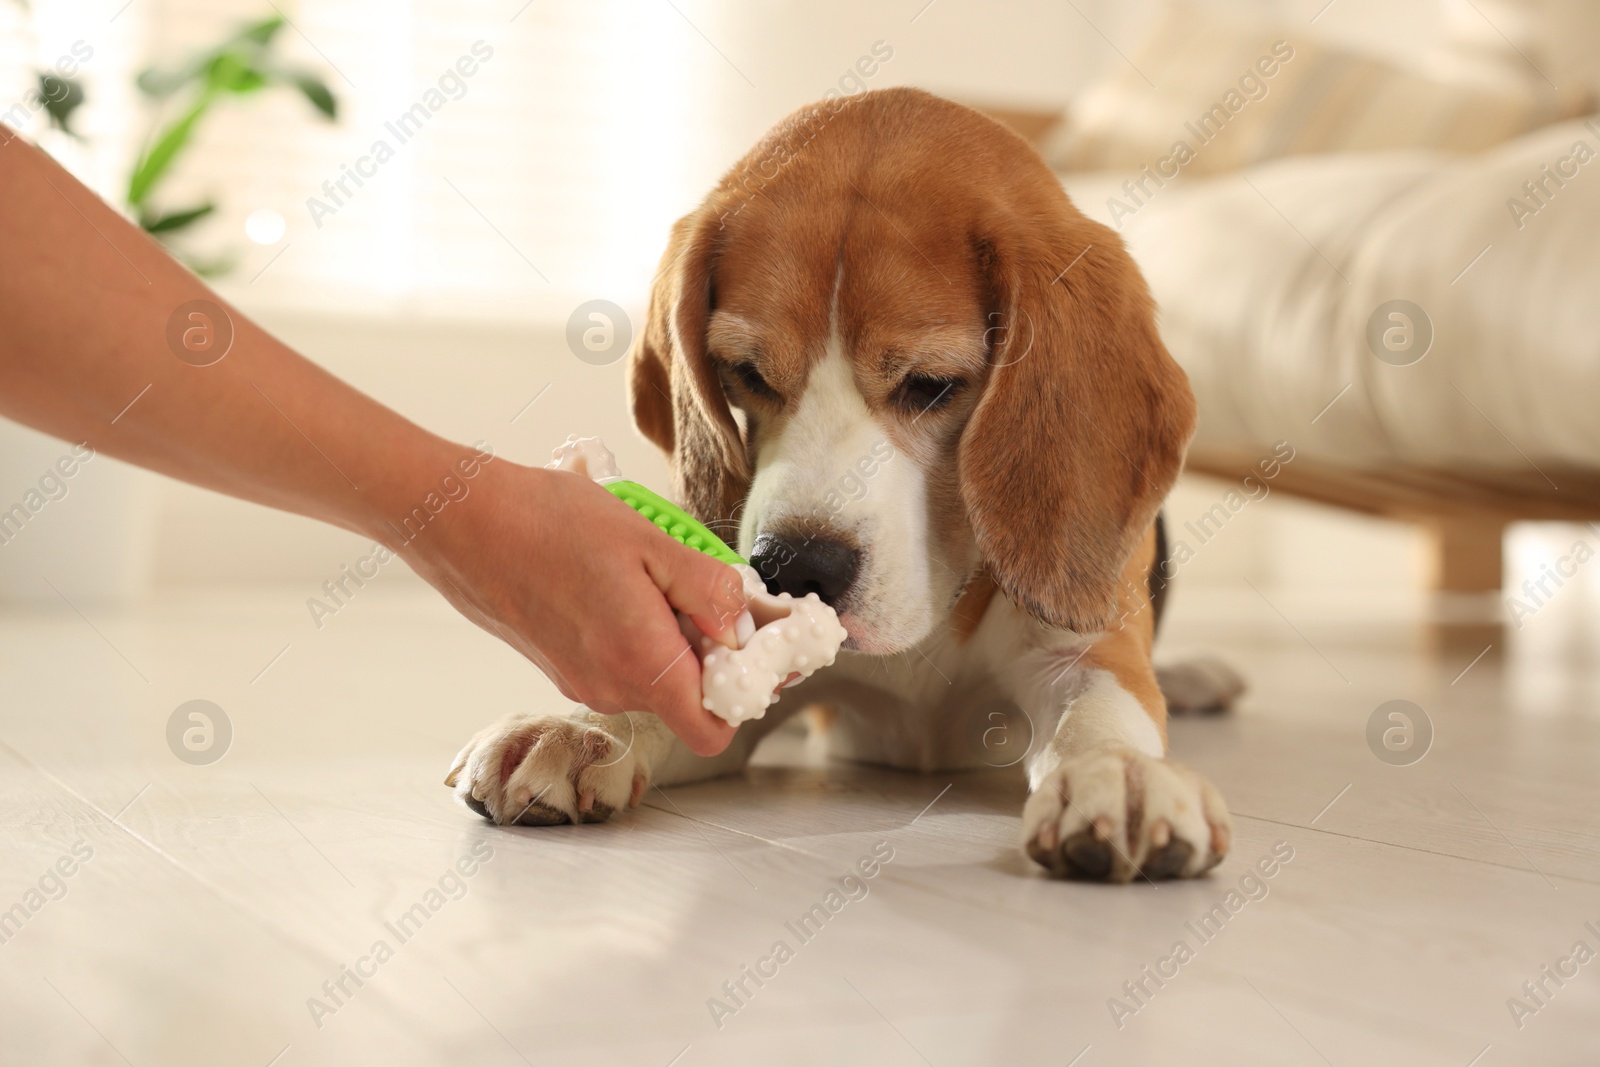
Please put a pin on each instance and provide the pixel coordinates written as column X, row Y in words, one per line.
column 889, row 352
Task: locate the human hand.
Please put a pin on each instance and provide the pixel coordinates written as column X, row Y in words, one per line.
column 567, row 574
column 583, row 586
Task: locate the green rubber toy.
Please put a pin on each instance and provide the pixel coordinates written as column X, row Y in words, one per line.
column 673, row 520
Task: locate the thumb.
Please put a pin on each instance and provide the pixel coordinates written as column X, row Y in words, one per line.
column 709, row 592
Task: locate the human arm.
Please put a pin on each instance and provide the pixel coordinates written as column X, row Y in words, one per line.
column 566, row 574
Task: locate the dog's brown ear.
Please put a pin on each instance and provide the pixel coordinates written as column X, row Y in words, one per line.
column 678, row 401
column 1082, row 425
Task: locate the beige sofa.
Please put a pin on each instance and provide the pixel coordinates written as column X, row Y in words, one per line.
column 1279, row 251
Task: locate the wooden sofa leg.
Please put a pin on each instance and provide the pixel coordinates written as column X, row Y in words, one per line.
column 1466, row 554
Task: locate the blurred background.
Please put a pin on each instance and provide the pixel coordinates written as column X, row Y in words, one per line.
column 1340, row 156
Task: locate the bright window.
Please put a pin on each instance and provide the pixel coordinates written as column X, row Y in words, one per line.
column 548, row 175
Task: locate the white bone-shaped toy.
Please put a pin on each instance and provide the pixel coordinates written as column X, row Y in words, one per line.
column 778, row 635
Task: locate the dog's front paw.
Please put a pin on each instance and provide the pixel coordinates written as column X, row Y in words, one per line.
column 1114, row 813
column 542, row 770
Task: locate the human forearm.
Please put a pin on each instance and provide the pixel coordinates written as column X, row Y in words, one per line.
column 91, row 361
column 92, row 315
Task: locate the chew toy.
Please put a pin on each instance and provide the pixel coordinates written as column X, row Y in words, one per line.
column 778, row 636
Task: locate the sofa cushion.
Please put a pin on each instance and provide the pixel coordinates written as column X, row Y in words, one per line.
column 1268, row 280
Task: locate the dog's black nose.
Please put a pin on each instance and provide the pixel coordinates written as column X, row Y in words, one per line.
column 818, row 566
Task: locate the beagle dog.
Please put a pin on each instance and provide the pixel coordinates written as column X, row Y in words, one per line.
column 889, row 354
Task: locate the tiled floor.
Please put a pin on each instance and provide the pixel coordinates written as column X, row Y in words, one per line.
column 254, row 911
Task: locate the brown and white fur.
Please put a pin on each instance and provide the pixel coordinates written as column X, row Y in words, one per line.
column 888, row 331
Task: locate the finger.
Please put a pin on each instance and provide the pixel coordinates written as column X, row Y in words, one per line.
column 709, row 592
column 676, row 697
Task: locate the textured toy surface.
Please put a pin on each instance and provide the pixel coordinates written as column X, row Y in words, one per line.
column 590, row 457
column 791, row 636
column 678, row 524
column 587, row 456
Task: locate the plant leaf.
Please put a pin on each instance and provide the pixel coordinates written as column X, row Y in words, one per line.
column 259, row 33
column 215, row 267
column 254, row 39
column 154, row 163
column 245, row 81
column 62, row 96
column 160, row 84
column 316, row 91
column 234, row 72
column 174, row 220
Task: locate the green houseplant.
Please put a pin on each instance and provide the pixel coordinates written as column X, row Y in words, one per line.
column 244, row 64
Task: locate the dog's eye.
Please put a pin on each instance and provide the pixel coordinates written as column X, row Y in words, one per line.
column 923, row 392
column 753, row 382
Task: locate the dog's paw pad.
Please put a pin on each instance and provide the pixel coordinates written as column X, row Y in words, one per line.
column 1088, row 854
column 1116, row 814
column 546, row 770
column 536, row 814
column 1169, row 860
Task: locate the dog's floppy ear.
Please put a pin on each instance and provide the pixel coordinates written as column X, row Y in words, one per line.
column 1082, row 425
column 678, row 401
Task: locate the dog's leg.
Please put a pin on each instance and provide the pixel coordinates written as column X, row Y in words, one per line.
column 1105, row 803
column 542, row 770
column 1202, row 685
